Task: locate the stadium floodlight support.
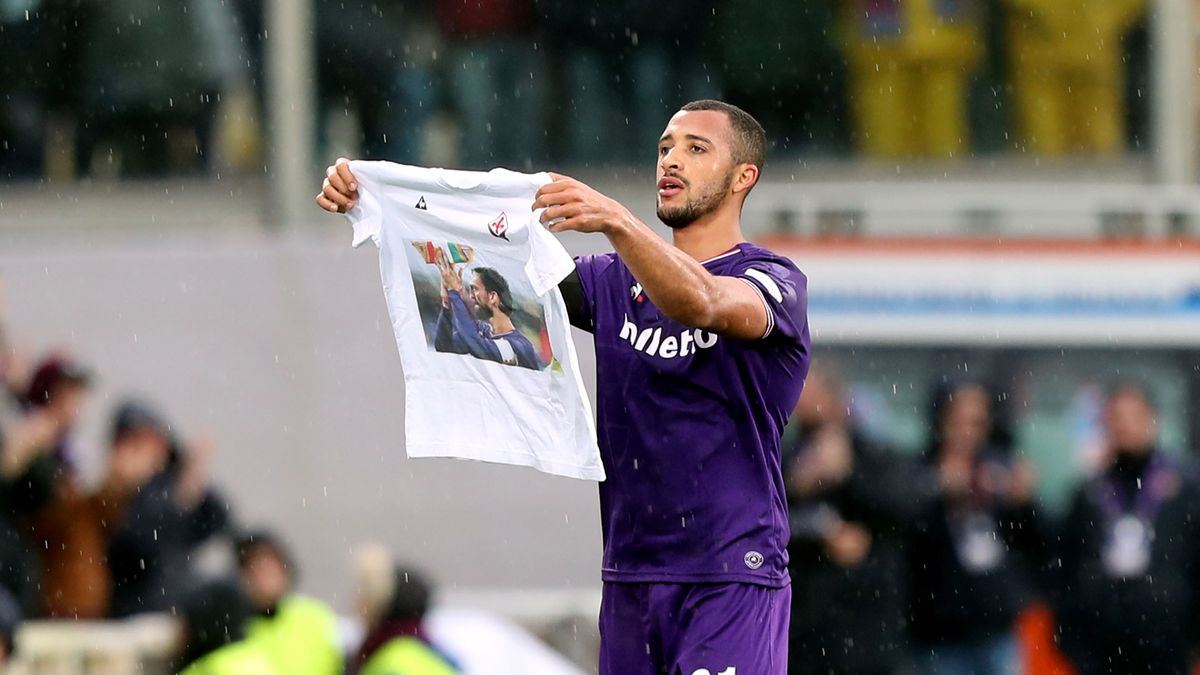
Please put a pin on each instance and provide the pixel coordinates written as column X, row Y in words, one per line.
column 291, row 103
column 1174, row 65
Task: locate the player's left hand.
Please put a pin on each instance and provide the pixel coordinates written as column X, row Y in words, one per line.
column 450, row 279
column 572, row 205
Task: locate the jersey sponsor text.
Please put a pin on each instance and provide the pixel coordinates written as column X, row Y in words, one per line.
column 651, row 341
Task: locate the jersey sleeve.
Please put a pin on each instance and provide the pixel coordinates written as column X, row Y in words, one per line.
column 784, row 292
column 590, row 272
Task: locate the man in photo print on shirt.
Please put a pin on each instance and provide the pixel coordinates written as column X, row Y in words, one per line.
column 476, row 319
column 702, row 347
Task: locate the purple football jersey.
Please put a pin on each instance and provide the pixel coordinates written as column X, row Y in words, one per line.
column 689, row 425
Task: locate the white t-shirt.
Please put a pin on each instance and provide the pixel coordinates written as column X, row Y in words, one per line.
column 490, row 370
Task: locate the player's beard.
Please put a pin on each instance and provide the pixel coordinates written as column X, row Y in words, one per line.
column 483, row 313
column 709, row 200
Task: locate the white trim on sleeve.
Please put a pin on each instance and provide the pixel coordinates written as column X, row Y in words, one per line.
column 766, row 306
column 767, row 282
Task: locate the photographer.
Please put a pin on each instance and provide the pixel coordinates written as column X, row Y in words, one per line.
column 973, row 547
column 1129, row 553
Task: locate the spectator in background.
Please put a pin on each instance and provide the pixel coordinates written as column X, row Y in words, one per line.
column 298, row 634
column 789, row 70
column 26, row 486
column 153, row 74
column 850, row 504
column 67, row 526
column 1130, row 553
column 213, row 616
column 76, row 531
column 171, row 511
column 626, row 66
column 27, row 438
column 973, row 547
column 377, row 56
column 496, row 75
column 393, row 601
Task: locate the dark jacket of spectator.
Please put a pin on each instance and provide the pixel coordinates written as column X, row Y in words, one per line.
column 1130, row 568
column 972, row 562
column 20, row 496
column 26, row 486
column 149, row 551
column 977, row 545
column 848, row 612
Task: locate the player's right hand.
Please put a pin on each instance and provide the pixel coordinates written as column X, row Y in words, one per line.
column 339, row 192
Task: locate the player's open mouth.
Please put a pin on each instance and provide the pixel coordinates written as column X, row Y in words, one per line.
column 669, row 187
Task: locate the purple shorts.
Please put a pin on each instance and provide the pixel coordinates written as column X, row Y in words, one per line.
column 694, row 629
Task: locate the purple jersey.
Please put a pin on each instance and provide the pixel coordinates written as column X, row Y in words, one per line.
column 689, row 425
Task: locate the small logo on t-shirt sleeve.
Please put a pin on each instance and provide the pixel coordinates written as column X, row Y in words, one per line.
column 754, row 560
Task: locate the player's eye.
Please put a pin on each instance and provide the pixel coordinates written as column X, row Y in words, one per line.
column 663, row 150
column 697, row 148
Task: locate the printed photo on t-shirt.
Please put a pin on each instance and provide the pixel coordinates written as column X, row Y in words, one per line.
column 478, row 305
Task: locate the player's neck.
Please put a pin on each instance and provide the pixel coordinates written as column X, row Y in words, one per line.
column 710, row 235
column 501, row 324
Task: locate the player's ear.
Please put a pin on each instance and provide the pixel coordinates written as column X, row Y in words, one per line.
column 745, row 177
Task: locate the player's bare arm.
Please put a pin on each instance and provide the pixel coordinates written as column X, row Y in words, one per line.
column 339, row 192
column 674, row 281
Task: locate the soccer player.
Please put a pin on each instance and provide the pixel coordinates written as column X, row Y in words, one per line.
column 702, row 347
column 487, row 332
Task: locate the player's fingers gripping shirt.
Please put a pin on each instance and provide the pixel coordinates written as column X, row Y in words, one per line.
column 689, row 425
column 470, row 277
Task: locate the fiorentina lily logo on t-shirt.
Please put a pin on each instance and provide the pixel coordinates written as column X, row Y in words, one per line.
column 499, row 226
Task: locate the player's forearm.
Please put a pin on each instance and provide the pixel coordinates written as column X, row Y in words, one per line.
column 674, row 281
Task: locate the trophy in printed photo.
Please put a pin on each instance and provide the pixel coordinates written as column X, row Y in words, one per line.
column 455, row 253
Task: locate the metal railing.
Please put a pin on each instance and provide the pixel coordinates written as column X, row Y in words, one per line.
column 1094, row 210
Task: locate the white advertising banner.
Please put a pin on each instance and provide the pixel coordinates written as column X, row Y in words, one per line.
column 931, row 292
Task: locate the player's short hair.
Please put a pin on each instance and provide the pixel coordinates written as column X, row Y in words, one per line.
column 412, row 595
column 493, row 282
column 264, row 541
column 749, row 138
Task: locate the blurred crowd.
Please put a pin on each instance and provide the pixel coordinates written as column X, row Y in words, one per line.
column 154, row 536
column 142, row 88
column 943, row 563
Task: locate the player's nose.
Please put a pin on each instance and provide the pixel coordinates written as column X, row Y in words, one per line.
column 669, row 161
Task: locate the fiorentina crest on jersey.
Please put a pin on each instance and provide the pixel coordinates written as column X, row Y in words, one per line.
column 499, row 226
